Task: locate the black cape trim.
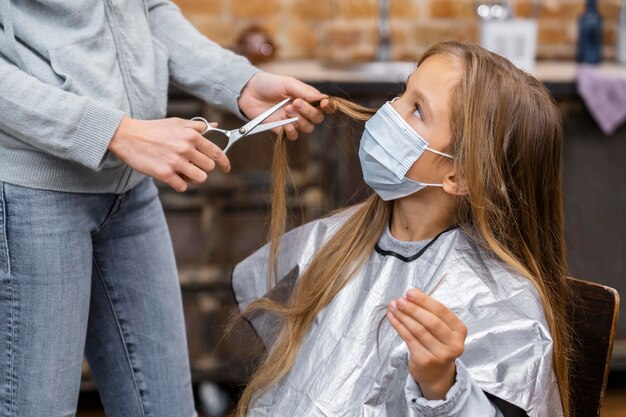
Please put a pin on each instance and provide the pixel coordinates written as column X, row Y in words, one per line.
column 384, row 252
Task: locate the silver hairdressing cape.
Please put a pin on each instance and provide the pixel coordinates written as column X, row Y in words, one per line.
column 343, row 370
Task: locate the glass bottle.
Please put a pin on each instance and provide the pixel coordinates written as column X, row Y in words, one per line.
column 621, row 35
column 590, row 34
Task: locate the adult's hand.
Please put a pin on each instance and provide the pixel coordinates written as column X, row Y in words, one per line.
column 170, row 150
column 265, row 89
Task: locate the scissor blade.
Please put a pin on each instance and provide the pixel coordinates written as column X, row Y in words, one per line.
column 272, row 125
column 258, row 129
column 260, row 118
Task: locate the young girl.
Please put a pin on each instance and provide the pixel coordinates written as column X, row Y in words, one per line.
column 442, row 294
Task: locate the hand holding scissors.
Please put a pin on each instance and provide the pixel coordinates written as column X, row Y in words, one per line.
column 250, row 128
column 174, row 151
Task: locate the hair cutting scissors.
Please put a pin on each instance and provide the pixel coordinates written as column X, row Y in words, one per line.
column 250, row 128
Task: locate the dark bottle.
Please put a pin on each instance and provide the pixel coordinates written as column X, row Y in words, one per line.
column 590, row 34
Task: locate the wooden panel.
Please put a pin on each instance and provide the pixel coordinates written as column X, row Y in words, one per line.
column 593, row 313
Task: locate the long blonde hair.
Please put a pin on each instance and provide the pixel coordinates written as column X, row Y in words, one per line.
column 506, row 142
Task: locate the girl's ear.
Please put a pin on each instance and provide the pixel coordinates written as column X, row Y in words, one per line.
column 452, row 184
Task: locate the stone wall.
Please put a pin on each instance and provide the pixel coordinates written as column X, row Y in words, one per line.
column 347, row 29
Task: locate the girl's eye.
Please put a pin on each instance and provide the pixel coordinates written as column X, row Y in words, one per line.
column 417, row 112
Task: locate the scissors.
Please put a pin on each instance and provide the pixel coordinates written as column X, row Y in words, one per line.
column 250, row 128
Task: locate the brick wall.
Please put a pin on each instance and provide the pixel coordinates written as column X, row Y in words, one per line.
column 347, row 29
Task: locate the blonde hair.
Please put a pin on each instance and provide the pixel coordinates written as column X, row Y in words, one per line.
column 507, row 151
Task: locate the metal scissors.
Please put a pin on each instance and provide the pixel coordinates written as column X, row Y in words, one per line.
column 250, row 128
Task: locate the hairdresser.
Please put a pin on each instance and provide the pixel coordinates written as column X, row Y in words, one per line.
column 86, row 262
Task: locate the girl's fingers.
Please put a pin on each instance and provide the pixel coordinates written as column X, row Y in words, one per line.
column 428, row 328
column 434, row 343
column 415, row 347
column 433, row 324
column 435, row 308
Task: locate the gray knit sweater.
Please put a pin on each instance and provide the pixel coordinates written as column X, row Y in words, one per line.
column 69, row 72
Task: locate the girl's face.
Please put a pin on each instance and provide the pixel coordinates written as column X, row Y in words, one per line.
column 425, row 105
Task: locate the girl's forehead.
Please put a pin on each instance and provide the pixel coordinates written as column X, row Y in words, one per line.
column 438, row 69
column 433, row 81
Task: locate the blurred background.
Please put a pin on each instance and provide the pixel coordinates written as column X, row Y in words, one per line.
column 364, row 50
column 347, row 30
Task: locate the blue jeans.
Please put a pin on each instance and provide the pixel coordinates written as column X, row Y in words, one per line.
column 90, row 274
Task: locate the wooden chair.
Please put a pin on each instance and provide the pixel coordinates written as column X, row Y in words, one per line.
column 593, row 314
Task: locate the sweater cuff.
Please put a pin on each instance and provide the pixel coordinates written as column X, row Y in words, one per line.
column 89, row 145
column 434, row 408
column 236, row 81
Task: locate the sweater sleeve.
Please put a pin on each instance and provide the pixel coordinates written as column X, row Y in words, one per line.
column 54, row 121
column 197, row 65
column 464, row 399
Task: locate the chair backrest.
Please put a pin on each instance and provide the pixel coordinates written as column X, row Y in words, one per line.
column 593, row 315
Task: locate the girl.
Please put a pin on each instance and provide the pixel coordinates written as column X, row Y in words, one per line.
column 461, row 244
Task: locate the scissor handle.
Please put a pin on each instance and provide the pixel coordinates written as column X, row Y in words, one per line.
column 206, row 122
column 210, row 128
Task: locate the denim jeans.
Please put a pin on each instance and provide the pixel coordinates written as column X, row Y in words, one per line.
column 90, row 274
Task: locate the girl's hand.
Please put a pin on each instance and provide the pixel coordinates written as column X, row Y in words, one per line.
column 435, row 337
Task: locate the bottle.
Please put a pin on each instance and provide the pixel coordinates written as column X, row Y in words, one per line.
column 621, row 35
column 590, row 34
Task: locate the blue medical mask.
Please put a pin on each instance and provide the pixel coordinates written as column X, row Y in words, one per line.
column 389, row 147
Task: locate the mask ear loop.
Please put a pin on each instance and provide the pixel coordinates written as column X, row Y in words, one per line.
column 439, row 153
column 426, row 183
